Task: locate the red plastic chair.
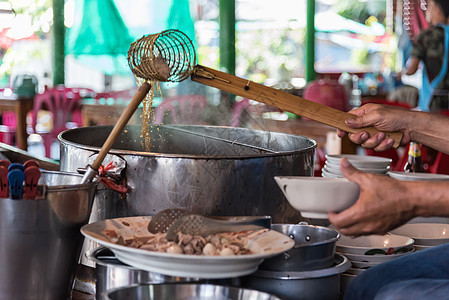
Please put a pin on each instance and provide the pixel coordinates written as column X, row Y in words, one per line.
column 329, row 93
column 64, row 104
column 185, row 109
column 114, row 96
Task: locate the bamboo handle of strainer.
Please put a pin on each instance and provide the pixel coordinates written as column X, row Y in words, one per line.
column 121, row 123
column 294, row 104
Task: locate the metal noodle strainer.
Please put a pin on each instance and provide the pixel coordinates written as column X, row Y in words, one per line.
column 147, row 58
column 170, row 56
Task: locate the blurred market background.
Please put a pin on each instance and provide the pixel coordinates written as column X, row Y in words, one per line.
column 285, row 44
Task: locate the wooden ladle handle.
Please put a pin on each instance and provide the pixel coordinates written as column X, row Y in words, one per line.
column 284, row 101
column 121, row 123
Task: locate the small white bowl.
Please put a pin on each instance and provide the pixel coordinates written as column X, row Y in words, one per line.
column 417, row 176
column 378, row 258
column 363, row 264
column 314, row 197
column 364, row 245
column 425, row 234
column 361, row 161
column 336, row 169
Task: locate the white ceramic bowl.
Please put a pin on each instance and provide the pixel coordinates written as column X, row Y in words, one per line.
column 361, row 161
column 336, row 169
column 363, row 264
column 378, row 258
column 425, row 234
column 364, row 245
column 417, row 176
column 314, row 197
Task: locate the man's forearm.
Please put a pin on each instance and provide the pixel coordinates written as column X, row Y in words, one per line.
column 431, row 130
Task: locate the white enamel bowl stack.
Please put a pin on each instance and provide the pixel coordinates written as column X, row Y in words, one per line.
column 369, row 164
column 367, row 251
column 426, row 235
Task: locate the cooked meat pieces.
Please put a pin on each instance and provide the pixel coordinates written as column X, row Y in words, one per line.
column 229, row 243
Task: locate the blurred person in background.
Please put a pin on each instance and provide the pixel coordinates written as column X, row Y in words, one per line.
column 431, row 48
column 385, row 203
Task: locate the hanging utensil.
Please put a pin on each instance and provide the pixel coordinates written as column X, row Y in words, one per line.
column 3, row 181
column 204, row 226
column 30, row 163
column 176, row 51
column 32, row 175
column 16, row 177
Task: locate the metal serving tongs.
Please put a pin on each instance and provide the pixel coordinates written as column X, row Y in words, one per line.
column 204, row 226
column 176, row 51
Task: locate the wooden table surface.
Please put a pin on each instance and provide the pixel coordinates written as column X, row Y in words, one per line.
column 21, row 106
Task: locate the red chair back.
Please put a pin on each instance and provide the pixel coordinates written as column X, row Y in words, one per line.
column 329, row 93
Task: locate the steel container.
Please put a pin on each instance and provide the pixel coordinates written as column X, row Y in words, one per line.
column 41, row 240
column 182, row 291
column 209, row 170
column 314, row 248
column 321, row 284
column 113, row 274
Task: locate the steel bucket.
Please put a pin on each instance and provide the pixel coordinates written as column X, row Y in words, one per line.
column 197, row 171
column 41, row 240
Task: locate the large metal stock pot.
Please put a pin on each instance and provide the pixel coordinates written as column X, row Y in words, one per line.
column 205, row 169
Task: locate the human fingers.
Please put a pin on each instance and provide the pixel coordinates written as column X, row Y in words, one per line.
column 385, row 145
column 341, row 133
column 374, row 141
column 359, row 137
column 369, row 119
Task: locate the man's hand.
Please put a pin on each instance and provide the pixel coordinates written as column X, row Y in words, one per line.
column 384, row 118
column 384, row 203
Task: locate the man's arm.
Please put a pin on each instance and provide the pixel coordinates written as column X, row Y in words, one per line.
column 386, row 203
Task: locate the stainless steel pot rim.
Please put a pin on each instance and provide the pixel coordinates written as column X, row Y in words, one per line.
column 331, row 240
column 342, row 264
column 187, row 156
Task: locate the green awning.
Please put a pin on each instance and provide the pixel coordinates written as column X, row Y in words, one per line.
column 99, row 37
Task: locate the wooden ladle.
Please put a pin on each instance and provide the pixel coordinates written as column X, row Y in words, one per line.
column 170, row 56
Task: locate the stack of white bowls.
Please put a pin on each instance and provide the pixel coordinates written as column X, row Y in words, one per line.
column 426, row 235
column 367, row 251
column 369, row 164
